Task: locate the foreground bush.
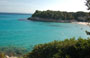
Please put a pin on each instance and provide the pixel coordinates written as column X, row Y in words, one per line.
column 69, row 48
column 2, row 55
column 13, row 51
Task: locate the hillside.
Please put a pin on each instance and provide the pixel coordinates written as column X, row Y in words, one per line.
column 58, row 16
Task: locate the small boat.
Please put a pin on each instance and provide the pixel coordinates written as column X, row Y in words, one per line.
column 87, row 32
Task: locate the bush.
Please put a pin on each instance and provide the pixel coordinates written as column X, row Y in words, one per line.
column 2, row 55
column 69, row 48
column 13, row 51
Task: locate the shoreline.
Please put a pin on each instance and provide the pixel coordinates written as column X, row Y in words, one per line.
column 59, row 21
column 50, row 20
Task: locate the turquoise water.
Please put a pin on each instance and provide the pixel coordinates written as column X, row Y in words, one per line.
column 24, row 33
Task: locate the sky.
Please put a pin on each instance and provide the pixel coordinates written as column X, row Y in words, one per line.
column 29, row 6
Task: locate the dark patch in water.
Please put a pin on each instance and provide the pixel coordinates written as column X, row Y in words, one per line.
column 22, row 19
column 55, row 25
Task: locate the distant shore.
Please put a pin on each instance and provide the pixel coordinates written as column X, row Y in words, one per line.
column 59, row 21
column 50, row 20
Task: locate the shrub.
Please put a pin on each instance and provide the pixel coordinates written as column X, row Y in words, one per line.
column 2, row 55
column 69, row 48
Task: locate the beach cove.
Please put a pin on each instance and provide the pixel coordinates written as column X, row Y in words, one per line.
column 26, row 33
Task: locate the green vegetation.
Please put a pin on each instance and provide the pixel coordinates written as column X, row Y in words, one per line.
column 69, row 48
column 88, row 4
column 12, row 51
column 58, row 15
column 2, row 55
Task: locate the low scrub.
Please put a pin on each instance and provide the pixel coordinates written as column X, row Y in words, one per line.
column 13, row 51
column 69, row 48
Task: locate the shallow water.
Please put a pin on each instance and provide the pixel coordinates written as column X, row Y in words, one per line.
column 16, row 30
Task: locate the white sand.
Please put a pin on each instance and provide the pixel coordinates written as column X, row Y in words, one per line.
column 83, row 23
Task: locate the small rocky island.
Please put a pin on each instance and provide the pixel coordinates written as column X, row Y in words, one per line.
column 58, row 16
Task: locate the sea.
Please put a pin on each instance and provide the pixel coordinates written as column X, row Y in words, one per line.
column 16, row 30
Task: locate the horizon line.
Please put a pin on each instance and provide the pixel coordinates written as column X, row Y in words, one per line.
column 40, row 10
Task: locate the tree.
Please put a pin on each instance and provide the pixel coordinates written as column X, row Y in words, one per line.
column 88, row 4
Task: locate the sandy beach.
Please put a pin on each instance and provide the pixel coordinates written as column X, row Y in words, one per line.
column 83, row 23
